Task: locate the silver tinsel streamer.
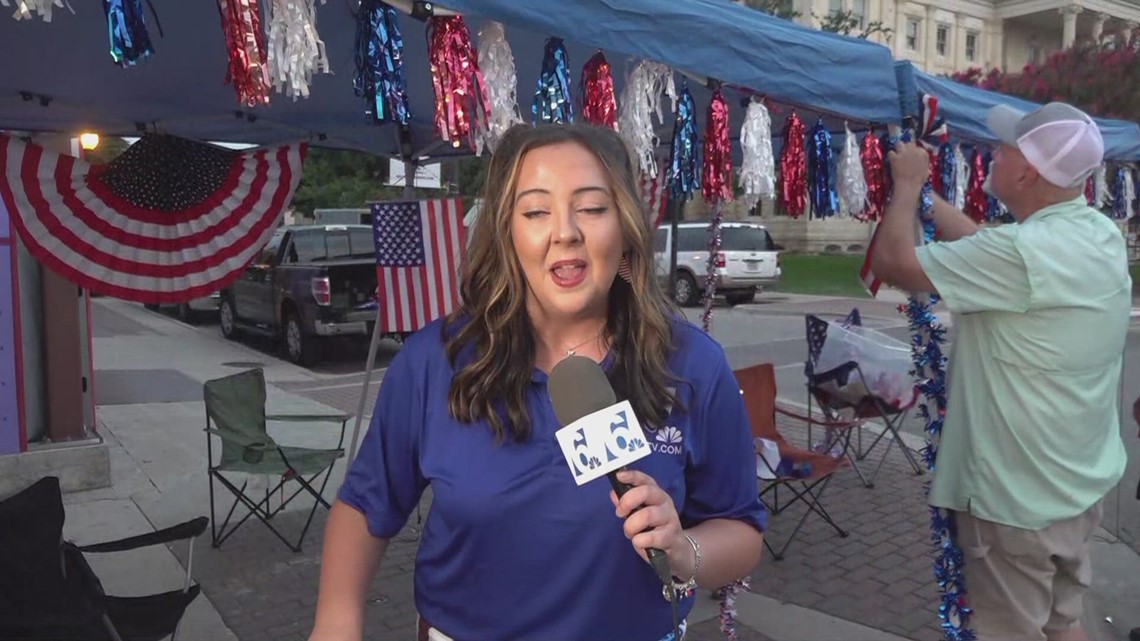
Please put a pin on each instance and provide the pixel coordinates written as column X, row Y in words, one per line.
column 1100, row 187
column 758, row 169
column 961, row 178
column 295, row 52
column 25, row 9
column 498, row 66
column 851, row 184
column 1129, row 193
column 640, row 102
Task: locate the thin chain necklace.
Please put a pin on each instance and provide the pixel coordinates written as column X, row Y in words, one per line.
column 570, row 351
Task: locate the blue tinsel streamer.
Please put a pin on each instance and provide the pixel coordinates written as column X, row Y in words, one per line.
column 126, row 28
column 824, row 201
column 684, row 161
column 927, row 337
column 1119, row 204
column 552, row 100
column 947, row 170
column 379, row 61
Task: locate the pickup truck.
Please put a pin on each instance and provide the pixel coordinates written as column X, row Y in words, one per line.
column 309, row 282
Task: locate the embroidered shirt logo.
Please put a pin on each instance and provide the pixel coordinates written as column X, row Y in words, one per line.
column 667, row 440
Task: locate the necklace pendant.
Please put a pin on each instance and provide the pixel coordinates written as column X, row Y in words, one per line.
column 569, row 352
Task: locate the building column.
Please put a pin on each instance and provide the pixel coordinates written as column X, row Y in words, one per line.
column 958, row 43
column 900, row 29
column 1098, row 27
column 1069, row 31
column 931, row 29
column 995, row 38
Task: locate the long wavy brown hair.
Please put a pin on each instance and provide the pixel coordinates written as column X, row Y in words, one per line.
column 493, row 326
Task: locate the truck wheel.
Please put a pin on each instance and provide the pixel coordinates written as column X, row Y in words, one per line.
column 299, row 349
column 227, row 319
column 685, row 292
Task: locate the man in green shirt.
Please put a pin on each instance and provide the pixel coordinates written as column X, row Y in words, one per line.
column 1031, row 441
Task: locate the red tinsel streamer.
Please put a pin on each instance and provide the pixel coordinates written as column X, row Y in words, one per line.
column 599, row 106
column 793, row 168
column 245, row 47
column 716, row 175
column 935, row 175
column 976, row 200
column 461, row 101
column 1090, row 190
column 871, row 155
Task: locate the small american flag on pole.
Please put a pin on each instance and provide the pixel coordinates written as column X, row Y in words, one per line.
column 870, row 281
column 418, row 248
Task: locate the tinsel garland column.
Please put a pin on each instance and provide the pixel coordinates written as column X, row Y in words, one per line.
column 874, row 172
column 716, row 187
column 497, row 63
column 296, row 52
column 462, row 107
column 599, row 105
column 126, row 27
column 248, row 69
column 851, row 185
column 977, row 201
column 640, row 103
column 758, row 167
column 793, row 168
column 820, row 178
column 927, row 337
column 552, row 100
column 379, row 63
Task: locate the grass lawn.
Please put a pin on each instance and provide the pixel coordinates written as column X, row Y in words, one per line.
column 826, row 275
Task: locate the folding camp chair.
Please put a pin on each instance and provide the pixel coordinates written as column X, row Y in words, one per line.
column 48, row 590
column 758, row 387
column 235, row 413
column 821, row 385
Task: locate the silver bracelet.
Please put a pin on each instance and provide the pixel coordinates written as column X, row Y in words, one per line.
column 685, row 589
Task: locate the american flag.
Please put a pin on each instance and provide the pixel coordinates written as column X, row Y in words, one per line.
column 655, row 195
column 418, row 248
column 870, row 280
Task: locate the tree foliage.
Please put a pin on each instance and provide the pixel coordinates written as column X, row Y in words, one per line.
column 1099, row 78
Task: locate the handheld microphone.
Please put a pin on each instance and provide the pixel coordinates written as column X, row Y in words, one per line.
column 578, row 388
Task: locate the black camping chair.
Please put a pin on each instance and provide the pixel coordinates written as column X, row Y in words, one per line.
column 821, row 386
column 48, row 590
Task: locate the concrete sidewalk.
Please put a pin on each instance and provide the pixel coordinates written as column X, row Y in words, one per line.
column 875, row 584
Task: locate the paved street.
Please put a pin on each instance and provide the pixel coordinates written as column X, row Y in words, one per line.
column 874, row 584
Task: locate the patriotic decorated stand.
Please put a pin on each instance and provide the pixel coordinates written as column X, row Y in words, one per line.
column 753, row 109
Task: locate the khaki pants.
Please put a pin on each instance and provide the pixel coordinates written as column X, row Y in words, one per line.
column 1024, row 584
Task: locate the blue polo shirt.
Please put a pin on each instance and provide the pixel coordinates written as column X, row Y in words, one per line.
column 512, row 548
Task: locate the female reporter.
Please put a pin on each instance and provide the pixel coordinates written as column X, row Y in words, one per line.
column 561, row 263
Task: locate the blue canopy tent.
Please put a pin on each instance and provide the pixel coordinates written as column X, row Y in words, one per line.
column 58, row 76
column 965, row 108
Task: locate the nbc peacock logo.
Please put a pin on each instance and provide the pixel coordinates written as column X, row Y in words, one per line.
column 667, row 440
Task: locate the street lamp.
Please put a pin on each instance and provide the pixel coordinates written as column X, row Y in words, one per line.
column 88, row 141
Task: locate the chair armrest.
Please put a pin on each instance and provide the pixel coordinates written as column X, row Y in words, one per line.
column 308, row 418
column 821, row 421
column 230, row 437
column 187, row 530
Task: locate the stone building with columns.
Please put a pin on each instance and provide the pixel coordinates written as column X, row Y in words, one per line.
column 944, row 36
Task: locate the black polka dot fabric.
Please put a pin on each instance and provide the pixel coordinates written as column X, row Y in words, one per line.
column 167, row 173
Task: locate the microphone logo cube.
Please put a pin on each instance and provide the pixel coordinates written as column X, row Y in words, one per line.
column 602, row 442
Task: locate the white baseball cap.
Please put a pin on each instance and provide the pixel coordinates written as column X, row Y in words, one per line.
column 1062, row 142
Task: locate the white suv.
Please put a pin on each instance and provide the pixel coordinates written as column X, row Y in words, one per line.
column 748, row 260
